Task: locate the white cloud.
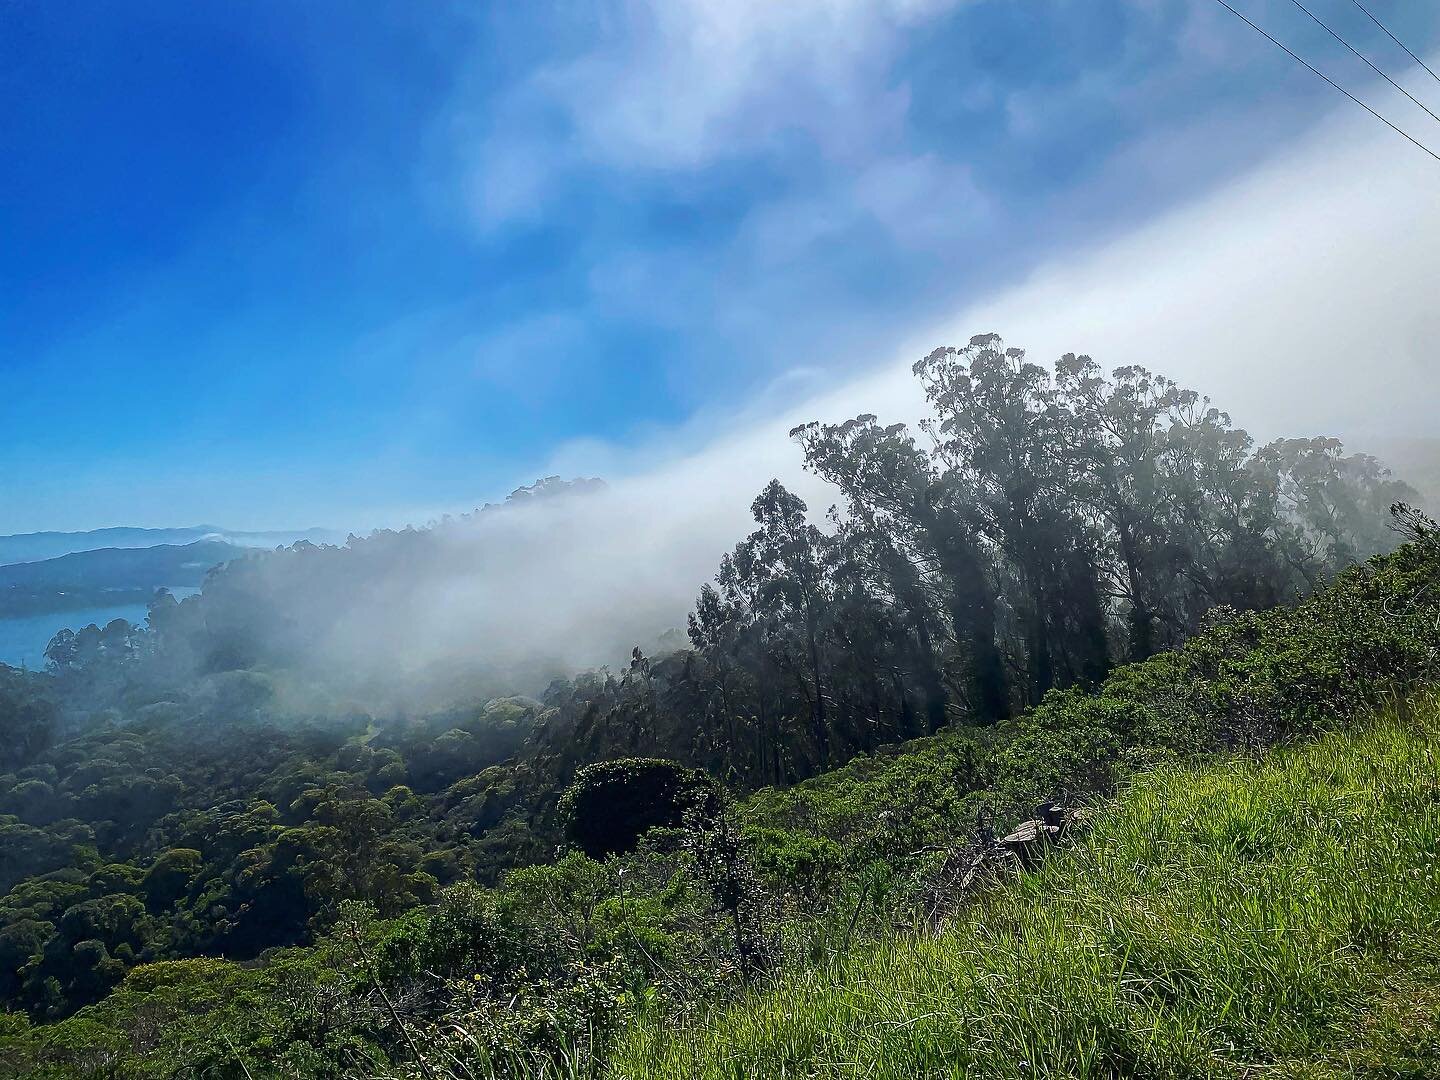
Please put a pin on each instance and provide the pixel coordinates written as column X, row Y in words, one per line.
column 692, row 79
column 1301, row 297
column 672, row 86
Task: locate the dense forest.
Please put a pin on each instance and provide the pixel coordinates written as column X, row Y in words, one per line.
column 1014, row 582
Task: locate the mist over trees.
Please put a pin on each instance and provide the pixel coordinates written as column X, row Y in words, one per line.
column 1039, row 528
column 379, row 618
column 209, row 785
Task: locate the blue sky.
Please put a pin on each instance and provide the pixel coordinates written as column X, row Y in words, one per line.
column 281, row 264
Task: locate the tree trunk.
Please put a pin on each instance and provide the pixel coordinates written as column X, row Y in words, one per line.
column 820, row 723
column 931, row 684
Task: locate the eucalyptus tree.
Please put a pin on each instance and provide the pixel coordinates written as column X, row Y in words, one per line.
column 1118, row 447
column 923, row 546
column 1240, row 549
column 718, row 635
column 1337, row 502
column 784, row 564
column 760, row 629
column 1003, row 437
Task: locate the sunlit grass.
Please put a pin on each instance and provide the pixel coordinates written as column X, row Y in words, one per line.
column 1271, row 918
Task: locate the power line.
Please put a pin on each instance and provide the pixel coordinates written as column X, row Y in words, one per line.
column 1366, row 59
column 1395, row 39
column 1301, row 60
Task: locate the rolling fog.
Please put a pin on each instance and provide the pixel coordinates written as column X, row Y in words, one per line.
column 1301, row 298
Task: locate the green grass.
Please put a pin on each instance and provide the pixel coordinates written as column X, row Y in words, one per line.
column 1276, row 918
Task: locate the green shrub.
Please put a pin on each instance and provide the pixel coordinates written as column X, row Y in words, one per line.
column 1280, row 915
column 612, row 804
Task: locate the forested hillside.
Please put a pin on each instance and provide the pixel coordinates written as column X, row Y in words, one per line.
column 229, row 859
column 620, row 967
column 108, row 576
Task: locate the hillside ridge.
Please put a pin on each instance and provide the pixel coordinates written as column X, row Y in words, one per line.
column 550, row 972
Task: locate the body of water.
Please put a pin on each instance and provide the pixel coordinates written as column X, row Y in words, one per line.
column 23, row 641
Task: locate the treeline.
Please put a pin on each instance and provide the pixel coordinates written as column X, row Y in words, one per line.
column 1039, row 528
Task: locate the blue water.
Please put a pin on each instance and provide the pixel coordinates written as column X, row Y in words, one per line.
column 23, row 641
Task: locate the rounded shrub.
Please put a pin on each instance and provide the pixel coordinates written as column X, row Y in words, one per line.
column 611, row 804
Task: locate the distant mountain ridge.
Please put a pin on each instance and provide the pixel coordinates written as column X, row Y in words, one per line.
column 108, row 576
column 39, row 546
column 162, row 564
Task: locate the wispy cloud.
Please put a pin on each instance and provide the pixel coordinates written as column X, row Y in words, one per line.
column 676, row 85
column 748, row 177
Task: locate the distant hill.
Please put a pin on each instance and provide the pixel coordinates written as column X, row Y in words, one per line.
column 108, row 576
column 33, row 547
column 163, row 564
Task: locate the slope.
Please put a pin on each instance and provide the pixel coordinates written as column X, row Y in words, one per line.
column 680, row 955
column 1279, row 914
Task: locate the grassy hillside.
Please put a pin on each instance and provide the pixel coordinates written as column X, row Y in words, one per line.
column 1279, row 915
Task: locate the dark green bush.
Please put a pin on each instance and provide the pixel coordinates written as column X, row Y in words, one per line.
column 612, row 804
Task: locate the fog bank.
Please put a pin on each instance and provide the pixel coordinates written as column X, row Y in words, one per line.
column 1301, row 298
